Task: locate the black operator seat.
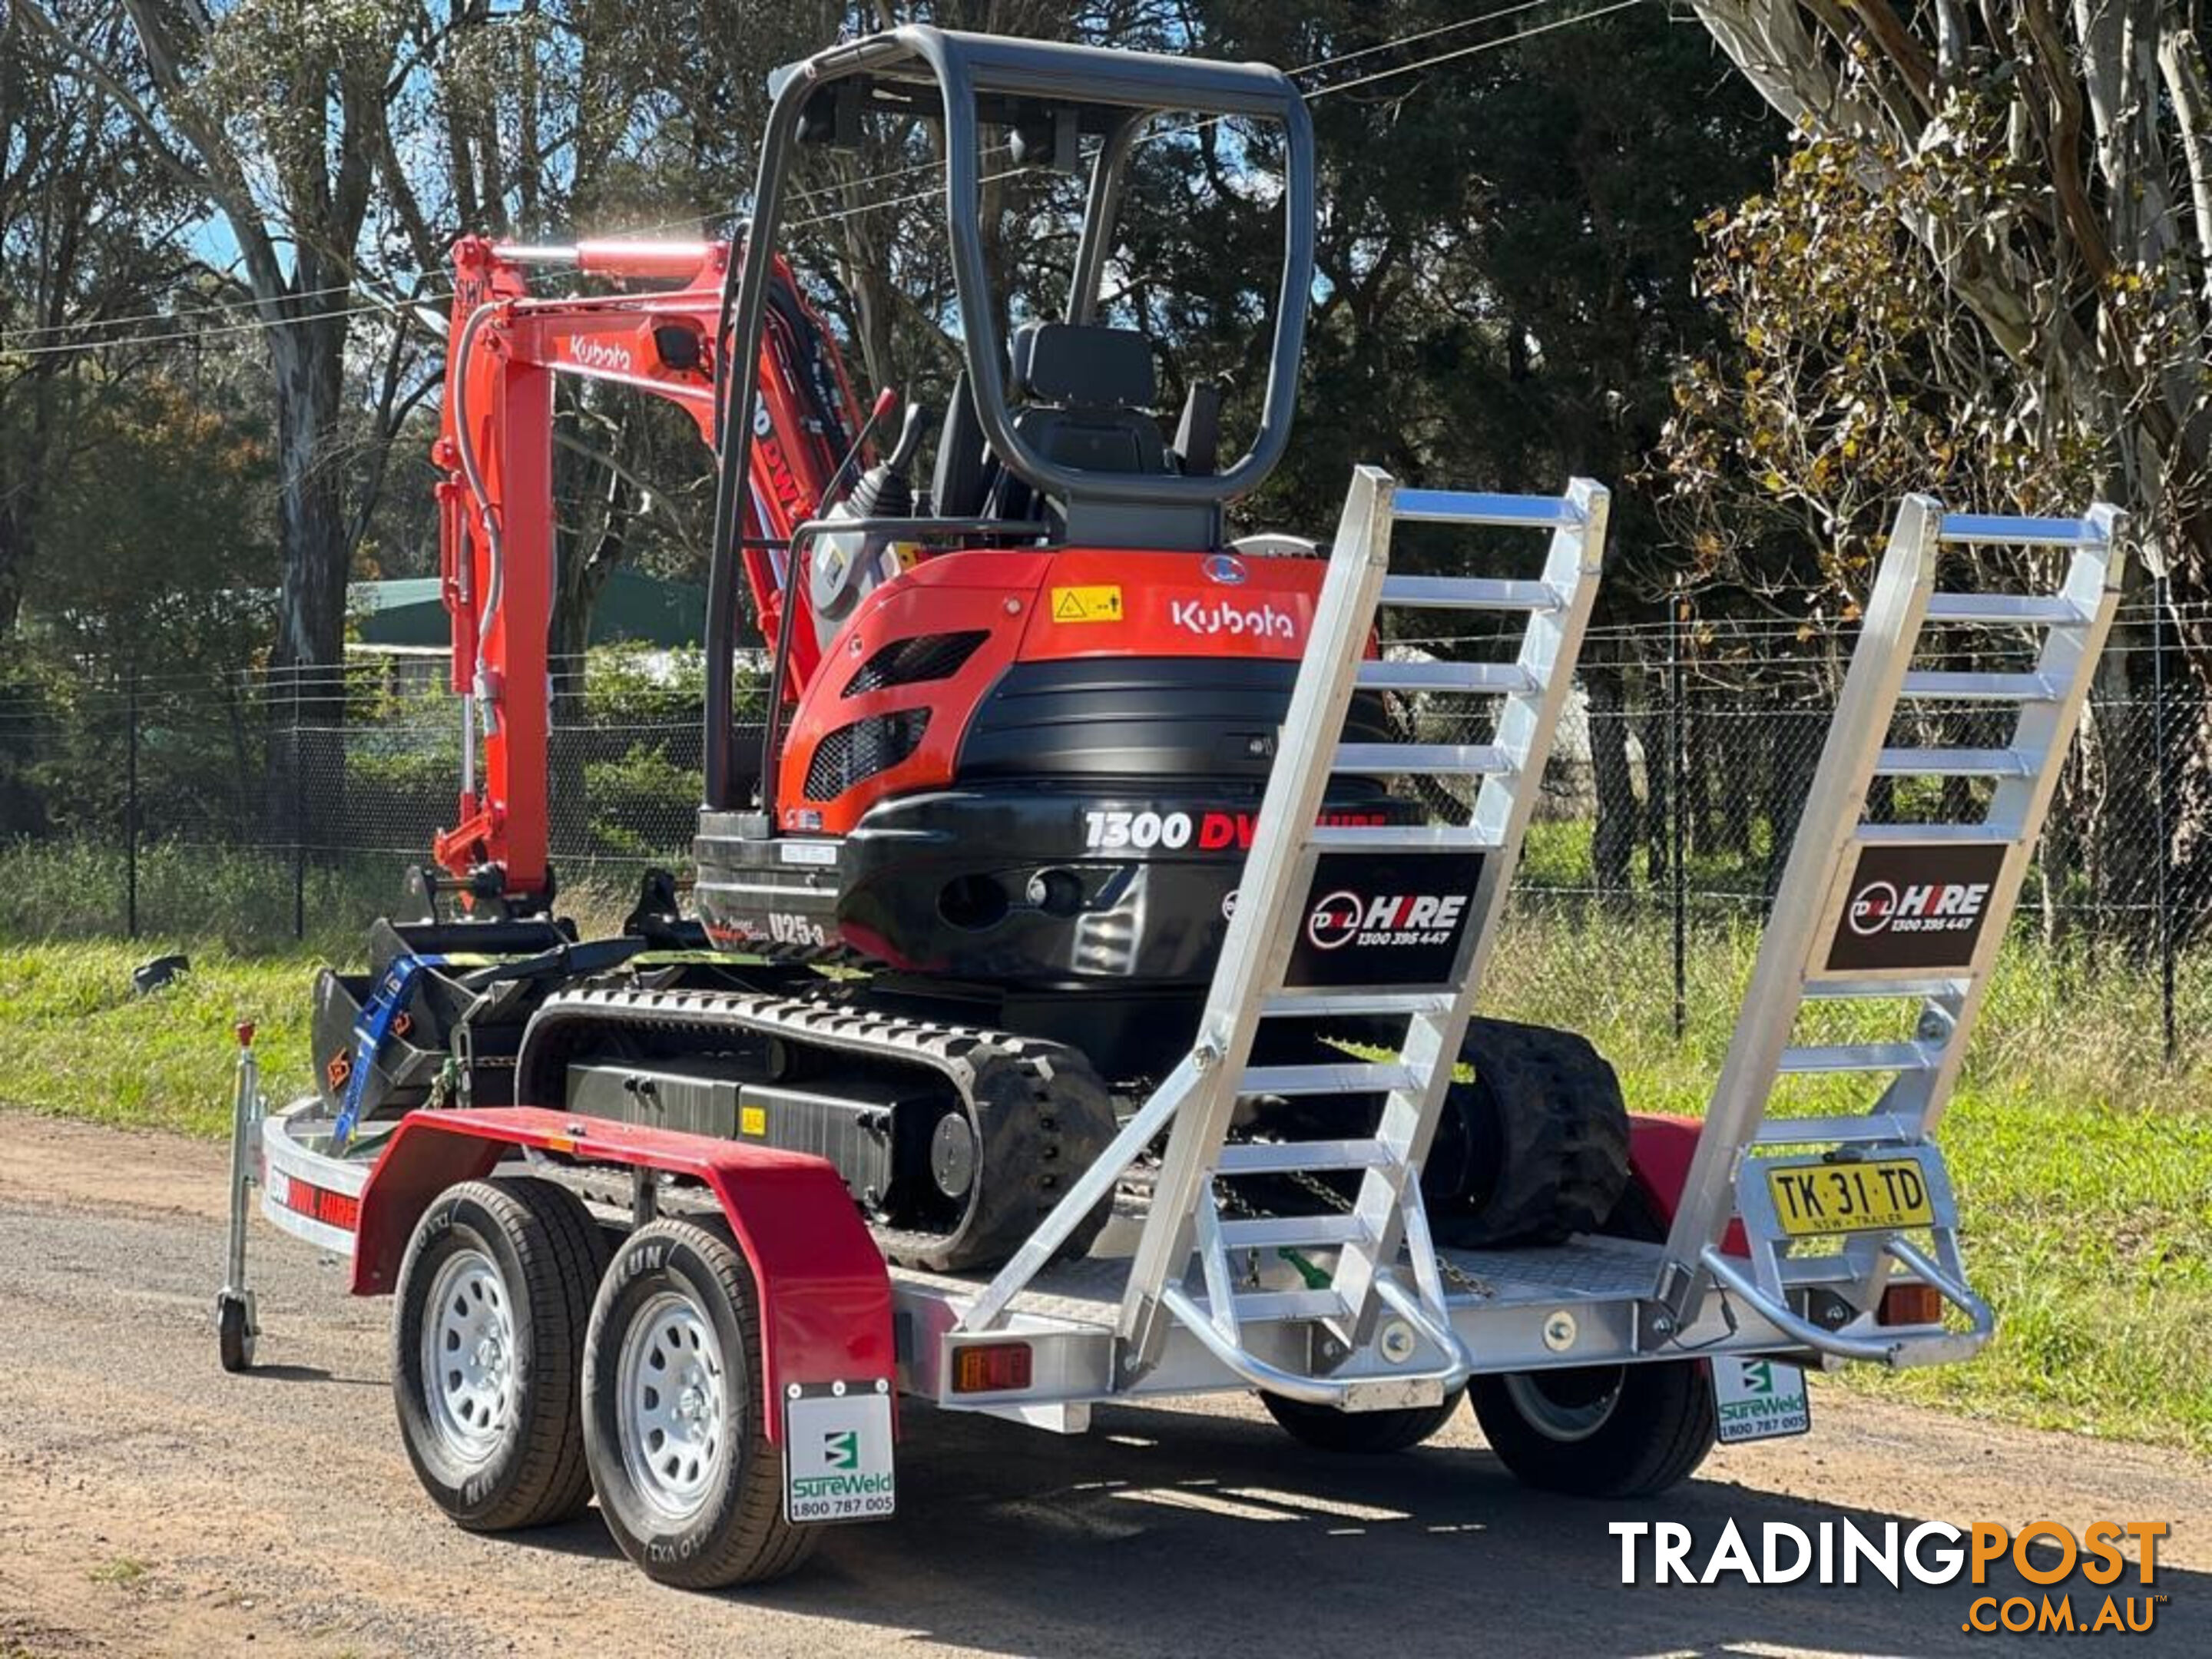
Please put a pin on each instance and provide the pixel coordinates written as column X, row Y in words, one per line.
column 1089, row 391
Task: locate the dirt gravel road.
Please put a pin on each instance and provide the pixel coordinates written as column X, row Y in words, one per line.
column 149, row 1504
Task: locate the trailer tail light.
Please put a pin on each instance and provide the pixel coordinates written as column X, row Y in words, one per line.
column 1910, row 1304
column 991, row 1368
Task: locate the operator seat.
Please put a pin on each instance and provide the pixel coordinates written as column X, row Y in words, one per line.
column 1087, row 391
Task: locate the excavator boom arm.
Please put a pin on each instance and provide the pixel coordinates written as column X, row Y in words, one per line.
column 496, row 509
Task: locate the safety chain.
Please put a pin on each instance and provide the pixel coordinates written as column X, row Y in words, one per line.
column 1232, row 1202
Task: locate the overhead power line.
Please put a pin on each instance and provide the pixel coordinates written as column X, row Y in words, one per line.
column 369, row 306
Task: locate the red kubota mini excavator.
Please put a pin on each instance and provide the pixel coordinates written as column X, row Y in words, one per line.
column 1020, row 714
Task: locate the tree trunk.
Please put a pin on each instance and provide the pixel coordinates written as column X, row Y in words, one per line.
column 308, row 359
column 1613, row 842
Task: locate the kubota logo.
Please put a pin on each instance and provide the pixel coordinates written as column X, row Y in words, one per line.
column 1259, row 622
column 1941, row 907
column 598, row 354
column 1345, row 916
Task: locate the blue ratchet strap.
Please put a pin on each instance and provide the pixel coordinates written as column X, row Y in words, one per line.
column 370, row 1028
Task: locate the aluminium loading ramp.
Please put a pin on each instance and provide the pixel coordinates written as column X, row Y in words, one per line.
column 1351, row 1303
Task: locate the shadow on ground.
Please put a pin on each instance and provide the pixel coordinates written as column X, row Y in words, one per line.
column 1174, row 1533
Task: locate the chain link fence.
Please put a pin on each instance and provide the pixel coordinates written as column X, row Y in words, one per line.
column 281, row 808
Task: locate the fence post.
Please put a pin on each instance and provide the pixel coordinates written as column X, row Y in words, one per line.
column 2161, row 795
column 1677, row 763
column 130, row 809
column 299, row 821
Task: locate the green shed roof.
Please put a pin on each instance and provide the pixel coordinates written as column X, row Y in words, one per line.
column 632, row 606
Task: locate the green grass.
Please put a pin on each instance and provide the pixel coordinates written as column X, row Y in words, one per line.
column 124, row 1572
column 2084, row 1167
column 80, row 1044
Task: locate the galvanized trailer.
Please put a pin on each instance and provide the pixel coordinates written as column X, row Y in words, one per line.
column 1597, row 1364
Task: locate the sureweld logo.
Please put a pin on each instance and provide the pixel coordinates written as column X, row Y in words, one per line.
column 1935, row 1553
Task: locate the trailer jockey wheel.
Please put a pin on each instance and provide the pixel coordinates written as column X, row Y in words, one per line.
column 234, row 1332
column 1602, row 1430
column 487, row 1340
column 675, row 1424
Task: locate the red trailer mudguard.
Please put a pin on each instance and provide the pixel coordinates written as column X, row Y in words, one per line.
column 825, row 1298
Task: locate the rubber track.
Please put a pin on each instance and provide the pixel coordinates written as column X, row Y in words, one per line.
column 1042, row 1114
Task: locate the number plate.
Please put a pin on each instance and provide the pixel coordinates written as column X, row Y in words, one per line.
column 838, row 1455
column 1875, row 1195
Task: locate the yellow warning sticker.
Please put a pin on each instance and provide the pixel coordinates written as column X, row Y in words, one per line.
column 752, row 1119
column 1087, row 604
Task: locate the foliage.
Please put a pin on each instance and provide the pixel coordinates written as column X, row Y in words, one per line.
column 1850, row 380
column 635, row 800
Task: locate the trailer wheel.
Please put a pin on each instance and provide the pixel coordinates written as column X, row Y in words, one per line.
column 234, row 1333
column 1602, row 1430
column 675, row 1424
column 487, row 1340
column 1327, row 1429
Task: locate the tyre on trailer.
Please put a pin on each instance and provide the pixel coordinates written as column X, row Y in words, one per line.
column 1365, row 1433
column 675, row 1420
column 1602, row 1430
column 493, row 1298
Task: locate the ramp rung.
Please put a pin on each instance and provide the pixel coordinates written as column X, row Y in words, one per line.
column 1316, row 1005
column 1886, row 1128
column 1422, row 759
column 1280, row 1232
column 2001, row 609
column 1954, row 763
column 1484, row 677
column 1962, row 527
column 1859, row 1057
column 1272, row 1307
column 1467, row 506
column 1400, row 838
column 1351, row 1078
column 1837, row 990
column 1470, row 593
column 1295, row 1156
column 1951, row 835
column 1942, row 685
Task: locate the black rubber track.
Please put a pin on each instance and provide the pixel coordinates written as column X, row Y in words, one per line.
column 1040, row 1113
column 1535, row 1148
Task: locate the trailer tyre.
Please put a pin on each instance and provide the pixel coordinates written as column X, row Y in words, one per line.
column 487, row 1350
column 674, row 1422
column 1363, row 1433
column 1602, row 1430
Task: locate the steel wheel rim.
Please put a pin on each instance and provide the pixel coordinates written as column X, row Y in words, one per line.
column 672, row 1405
column 1561, row 1415
column 468, row 1356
